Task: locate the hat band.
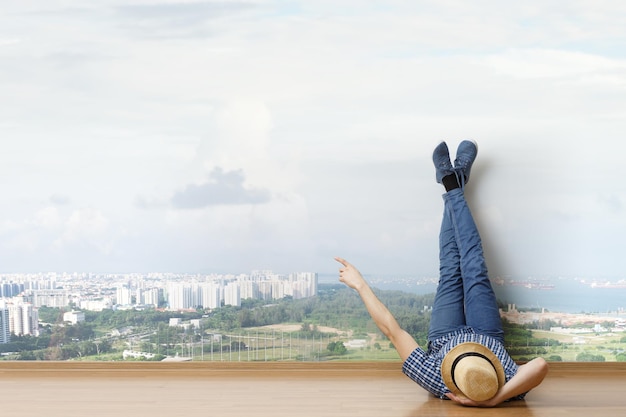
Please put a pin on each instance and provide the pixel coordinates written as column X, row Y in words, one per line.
column 465, row 355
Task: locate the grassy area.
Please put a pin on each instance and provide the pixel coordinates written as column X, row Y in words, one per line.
column 263, row 344
column 607, row 345
column 266, row 344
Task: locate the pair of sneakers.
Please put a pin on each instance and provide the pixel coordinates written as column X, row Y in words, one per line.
column 465, row 156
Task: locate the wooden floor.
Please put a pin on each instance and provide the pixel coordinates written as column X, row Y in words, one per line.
column 281, row 389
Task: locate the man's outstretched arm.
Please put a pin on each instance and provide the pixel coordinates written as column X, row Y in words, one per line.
column 403, row 342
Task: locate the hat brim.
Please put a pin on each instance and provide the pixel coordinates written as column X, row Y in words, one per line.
column 465, row 348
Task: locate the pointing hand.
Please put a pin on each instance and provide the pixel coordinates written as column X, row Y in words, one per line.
column 349, row 275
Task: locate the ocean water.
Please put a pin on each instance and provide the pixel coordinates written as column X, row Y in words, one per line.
column 558, row 295
column 566, row 297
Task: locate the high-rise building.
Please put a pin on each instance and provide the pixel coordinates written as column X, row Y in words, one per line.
column 249, row 289
column 23, row 319
column 124, row 296
column 304, row 284
column 265, row 290
column 179, row 296
column 150, row 296
column 196, row 295
column 5, row 331
column 211, row 295
column 50, row 298
column 7, row 289
column 278, row 289
column 232, row 295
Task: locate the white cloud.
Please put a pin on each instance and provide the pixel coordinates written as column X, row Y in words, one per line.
column 48, row 218
column 9, row 41
column 553, row 63
column 242, row 129
column 86, row 226
column 222, row 188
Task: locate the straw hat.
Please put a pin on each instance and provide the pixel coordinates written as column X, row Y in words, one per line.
column 473, row 371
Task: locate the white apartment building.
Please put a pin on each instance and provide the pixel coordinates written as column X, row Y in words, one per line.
column 50, row 298
column 265, row 290
column 232, row 295
column 303, row 284
column 211, row 295
column 248, row 289
column 179, row 296
column 23, row 319
column 149, row 296
column 196, row 295
column 123, row 296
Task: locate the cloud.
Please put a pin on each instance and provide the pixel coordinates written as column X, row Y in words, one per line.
column 551, row 63
column 48, row 218
column 49, row 229
column 150, row 203
column 223, row 188
column 613, row 203
column 59, row 199
column 86, row 225
column 176, row 20
column 7, row 42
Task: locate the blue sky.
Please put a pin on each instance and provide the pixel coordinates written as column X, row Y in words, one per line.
column 202, row 136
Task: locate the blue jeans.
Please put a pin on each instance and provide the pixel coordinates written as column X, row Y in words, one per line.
column 464, row 295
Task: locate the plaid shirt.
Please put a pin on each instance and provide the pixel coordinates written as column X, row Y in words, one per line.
column 425, row 367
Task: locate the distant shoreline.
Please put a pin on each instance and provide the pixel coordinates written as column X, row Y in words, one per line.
column 573, row 296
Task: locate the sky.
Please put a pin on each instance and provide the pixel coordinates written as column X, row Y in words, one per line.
column 228, row 136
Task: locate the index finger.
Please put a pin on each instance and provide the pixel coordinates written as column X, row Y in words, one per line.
column 342, row 261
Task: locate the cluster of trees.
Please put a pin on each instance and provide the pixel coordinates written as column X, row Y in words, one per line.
column 589, row 357
column 25, row 344
column 520, row 342
column 57, row 343
column 336, row 348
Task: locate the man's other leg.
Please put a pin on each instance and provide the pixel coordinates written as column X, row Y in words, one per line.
column 481, row 309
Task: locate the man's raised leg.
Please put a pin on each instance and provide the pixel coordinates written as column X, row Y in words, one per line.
column 448, row 311
column 481, row 309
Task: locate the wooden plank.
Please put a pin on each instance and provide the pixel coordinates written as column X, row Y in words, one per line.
column 245, row 368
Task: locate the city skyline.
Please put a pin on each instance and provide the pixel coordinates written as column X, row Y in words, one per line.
column 201, row 136
column 97, row 292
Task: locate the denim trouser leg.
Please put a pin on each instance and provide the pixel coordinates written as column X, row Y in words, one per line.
column 464, row 294
column 448, row 313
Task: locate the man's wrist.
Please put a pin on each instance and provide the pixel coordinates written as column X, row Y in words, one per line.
column 363, row 286
column 495, row 400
